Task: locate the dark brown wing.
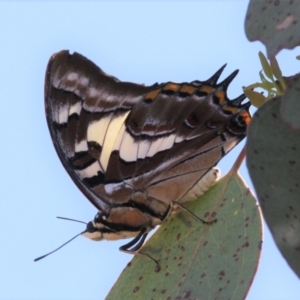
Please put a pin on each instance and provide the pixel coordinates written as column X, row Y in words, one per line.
column 131, row 145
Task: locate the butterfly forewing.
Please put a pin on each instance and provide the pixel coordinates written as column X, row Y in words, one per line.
column 136, row 146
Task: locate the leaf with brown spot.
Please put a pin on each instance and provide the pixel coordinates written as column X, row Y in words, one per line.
column 275, row 172
column 210, row 265
column 274, row 23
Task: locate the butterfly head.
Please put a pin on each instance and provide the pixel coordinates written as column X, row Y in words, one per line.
column 95, row 230
column 92, row 232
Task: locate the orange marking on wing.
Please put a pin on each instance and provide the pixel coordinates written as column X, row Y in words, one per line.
column 171, row 87
column 221, row 96
column 207, row 89
column 152, row 95
column 188, row 89
column 246, row 116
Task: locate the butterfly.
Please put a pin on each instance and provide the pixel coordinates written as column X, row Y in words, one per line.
column 135, row 150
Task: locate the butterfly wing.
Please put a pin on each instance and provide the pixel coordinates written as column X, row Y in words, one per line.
column 126, row 144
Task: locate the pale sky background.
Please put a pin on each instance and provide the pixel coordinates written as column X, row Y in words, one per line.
column 142, row 42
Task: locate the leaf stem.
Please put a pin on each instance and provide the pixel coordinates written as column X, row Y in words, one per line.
column 238, row 161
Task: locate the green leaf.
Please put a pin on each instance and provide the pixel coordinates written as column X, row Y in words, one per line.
column 274, row 23
column 262, row 77
column 215, row 261
column 273, row 159
column 266, row 66
column 257, row 99
column 277, row 72
column 290, row 105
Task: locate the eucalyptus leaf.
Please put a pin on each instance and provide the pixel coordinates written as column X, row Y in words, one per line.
column 273, row 159
column 290, row 106
column 214, row 261
column 274, row 23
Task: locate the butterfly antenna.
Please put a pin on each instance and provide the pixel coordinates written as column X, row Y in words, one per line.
column 68, row 219
column 43, row 256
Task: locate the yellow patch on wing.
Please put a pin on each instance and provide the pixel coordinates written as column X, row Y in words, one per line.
column 75, row 109
column 167, row 142
column 97, row 130
column 119, row 138
column 90, row 171
column 143, row 149
column 81, row 146
column 128, row 148
column 161, row 144
column 63, row 114
column 111, row 135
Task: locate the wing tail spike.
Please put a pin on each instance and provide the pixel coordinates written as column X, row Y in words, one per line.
column 213, row 79
column 246, row 105
column 238, row 100
column 225, row 83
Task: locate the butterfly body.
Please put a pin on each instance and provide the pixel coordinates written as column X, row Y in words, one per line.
column 134, row 149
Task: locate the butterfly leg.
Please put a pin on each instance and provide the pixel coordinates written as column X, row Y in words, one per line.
column 172, row 207
column 138, row 242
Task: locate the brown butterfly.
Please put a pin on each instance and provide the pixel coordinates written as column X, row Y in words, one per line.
column 135, row 150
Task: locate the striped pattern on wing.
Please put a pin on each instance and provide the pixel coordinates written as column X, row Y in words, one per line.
column 129, row 144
